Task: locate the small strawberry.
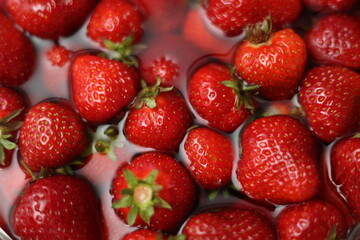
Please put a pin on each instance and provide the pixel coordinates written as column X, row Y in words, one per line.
column 58, row 207
column 49, row 19
column 58, row 56
column 154, row 191
column 329, row 96
column 163, row 68
column 17, row 53
column 52, row 135
column 229, row 223
column 158, row 119
column 334, row 39
column 315, row 219
column 345, row 164
column 329, row 5
column 274, row 61
column 278, row 161
column 210, row 157
column 101, row 88
column 218, row 97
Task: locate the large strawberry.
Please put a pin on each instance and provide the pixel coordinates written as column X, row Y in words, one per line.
column 58, row 207
column 52, row 135
column 329, row 96
column 50, row 19
column 210, row 157
column 315, row 219
column 334, row 39
column 274, row 61
column 17, row 60
column 329, row 5
column 345, row 165
column 154, row 191
column 219, row 97
column 158, row 119
column 101, row 88
column 278, row 160
column 231, row 223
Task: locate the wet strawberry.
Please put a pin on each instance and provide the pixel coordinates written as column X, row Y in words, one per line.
column 58, row 56
column 329, row 5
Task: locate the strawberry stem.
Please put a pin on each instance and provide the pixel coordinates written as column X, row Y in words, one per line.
column 260, row 32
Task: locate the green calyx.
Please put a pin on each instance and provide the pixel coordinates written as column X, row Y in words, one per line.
column 259, row 32
column 141, row 196
column 357, row 135
column 7, row 126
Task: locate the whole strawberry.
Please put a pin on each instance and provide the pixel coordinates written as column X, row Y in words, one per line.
column 52, row 135
column 229, row 223
column 57, row 207
column 274, row 61
column 329, row 5
column 158, row 119
column 101, row 88
column 315, row 219
column 218, row 97
column 329, row 96
column 17, row 60
column 210, row 157
column 50, row 19
column 334, row 40
column 153, row 191
column 278, row 160
column 345, row 165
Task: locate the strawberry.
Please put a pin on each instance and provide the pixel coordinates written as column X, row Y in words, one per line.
column 278, row 162
column 58, row 56
column 163, row 68
column 52, row 135
column 210, row 157
column 345, row 164
column 315, row 219
column 275, row 61
column 144, row 234
column 329, row 97
column 218, row 97
column 58, row 207
column 329, row 5
column 334, row 39
column 115, row 20
column 158, row 119
column 232, row 16
column 48, row 19
column 153, row 191
column 17, row 53
column 101, row 88
column 230, row 223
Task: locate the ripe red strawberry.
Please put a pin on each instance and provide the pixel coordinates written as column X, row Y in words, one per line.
column 276, row 61
column 233, row 16
column 329, row 5
column 52, row 135
column 163, row 68
column 101, row 88
column 49, row 19
column 17, row 60
column 345, row 164
column 315, row 219
column 278, row 161
column 115, row 20
column 58, row 207
column 334, row 39
column 153, row 191
column 159, row 119
column 144, row 234
column 218, row 98
column 58, row 56
column 210, row 157
column 329, row 97
column 230, row 223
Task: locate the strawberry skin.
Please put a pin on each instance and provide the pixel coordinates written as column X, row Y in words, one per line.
column 278, row 160
column 144, row 234
column 276, row 65
column 228, row 223
column 17, row 53
column 329, row 5
column 310, row 220
column 52, row 135
column 101, row 88
column 334, row 40
column 345, row 164
column 58, row 207
column 210, row 156
column 50, row 19
column 177, row 189
column 329, row 96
